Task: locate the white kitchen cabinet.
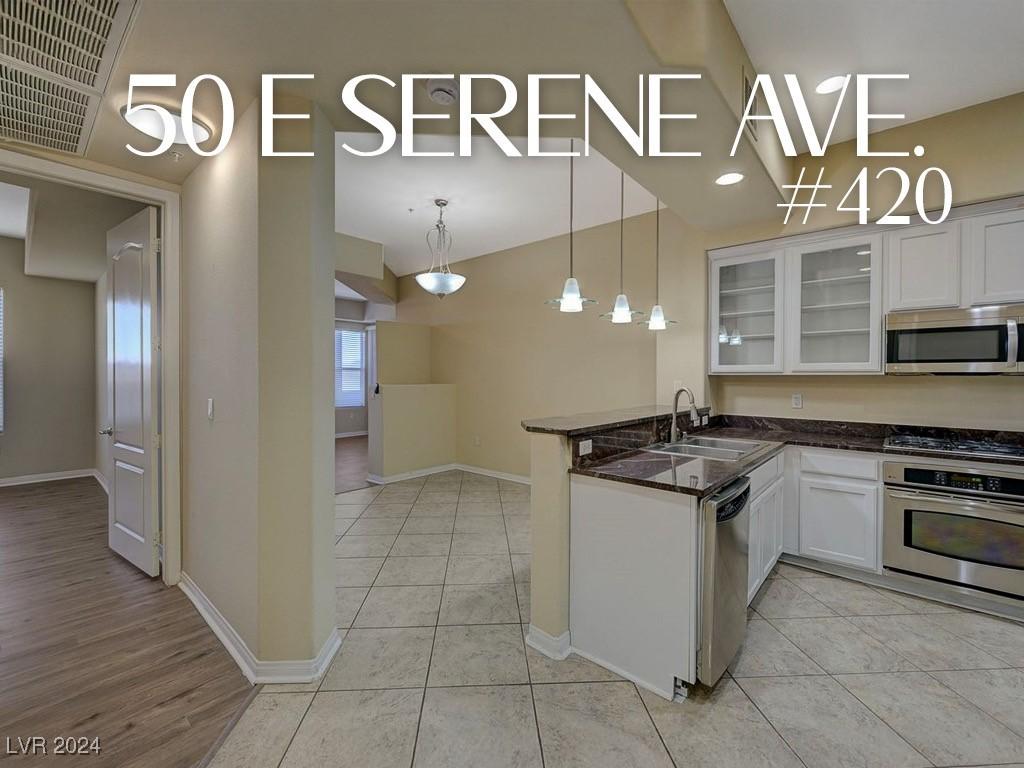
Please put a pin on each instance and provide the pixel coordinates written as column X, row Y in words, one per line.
column 922, row 267
column 839, row 520
column 765, row 539
column 745, row 313
column 996, row 257
column 834, row 310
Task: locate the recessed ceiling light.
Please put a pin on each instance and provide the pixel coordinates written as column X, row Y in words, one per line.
column 148, row 122
column 831, row 84
column 729, row 178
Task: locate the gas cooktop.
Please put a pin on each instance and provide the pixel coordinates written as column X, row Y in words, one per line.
column 939, row 445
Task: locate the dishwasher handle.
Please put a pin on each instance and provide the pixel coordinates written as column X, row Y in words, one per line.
column 732, row 501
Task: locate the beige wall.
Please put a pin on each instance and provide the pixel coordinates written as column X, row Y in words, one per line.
column 220, row 359
column 982, row 150
column 49, row 370
column 358, row 256
column 417, row 427
column 403, row 353
column 512, row 357
column 68, row 230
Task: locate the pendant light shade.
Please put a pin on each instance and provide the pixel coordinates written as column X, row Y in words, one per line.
column 571, row 300
column 439, row 279
column 656, row 320
column 621, row 312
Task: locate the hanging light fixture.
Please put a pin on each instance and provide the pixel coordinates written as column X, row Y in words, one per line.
column 570, row 300
column 657, row 321
column 439, row 279
column 621, row 312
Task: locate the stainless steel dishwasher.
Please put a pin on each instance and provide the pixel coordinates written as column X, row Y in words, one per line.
column 723, row 603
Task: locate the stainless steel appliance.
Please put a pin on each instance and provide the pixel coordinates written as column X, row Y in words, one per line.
column 963, row 448
column 723, row 617
column 960, row 526
column 979, row 340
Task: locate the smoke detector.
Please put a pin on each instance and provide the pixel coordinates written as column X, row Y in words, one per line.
column 443, row 90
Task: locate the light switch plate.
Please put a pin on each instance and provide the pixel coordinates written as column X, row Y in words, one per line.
column 798, row 400
column 586, row 447
column 209, row 409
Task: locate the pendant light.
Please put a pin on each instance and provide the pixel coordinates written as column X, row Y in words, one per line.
column 439, row 279
column 657, row 321
column 621, row 312
column 571, row 300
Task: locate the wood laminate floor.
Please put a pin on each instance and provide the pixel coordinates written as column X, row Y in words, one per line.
column 350, row 463
column 90, row 646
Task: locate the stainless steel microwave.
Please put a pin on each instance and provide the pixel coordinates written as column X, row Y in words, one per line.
column 982, row 340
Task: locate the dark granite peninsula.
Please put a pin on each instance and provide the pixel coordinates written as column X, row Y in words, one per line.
column 617, row 439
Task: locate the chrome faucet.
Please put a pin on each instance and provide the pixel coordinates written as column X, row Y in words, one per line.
column 694, row 416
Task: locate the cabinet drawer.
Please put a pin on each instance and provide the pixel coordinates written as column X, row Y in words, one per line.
column 763, row 476
column 839, row 465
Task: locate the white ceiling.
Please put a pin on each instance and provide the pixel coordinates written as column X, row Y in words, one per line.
column 342, row 291
column 495, row 202
column 13, row 211
column 957, row 52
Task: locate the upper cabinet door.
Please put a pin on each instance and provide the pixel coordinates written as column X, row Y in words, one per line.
column 996, row 257
column 834, row 305
column 923, row 267
column 745, row 324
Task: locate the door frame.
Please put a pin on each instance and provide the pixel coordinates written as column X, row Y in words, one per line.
column 168, row 200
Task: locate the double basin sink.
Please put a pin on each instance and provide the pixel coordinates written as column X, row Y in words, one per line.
column 716, row 448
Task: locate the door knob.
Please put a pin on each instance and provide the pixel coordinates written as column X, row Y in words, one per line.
column 108, row 431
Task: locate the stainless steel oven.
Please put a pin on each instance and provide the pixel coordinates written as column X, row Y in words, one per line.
column 961, row 526
column 979, row 340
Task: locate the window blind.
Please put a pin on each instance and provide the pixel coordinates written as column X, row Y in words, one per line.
column 349, row 357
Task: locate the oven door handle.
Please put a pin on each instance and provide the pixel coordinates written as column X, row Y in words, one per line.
column 1009, row 513
column 1012, row 343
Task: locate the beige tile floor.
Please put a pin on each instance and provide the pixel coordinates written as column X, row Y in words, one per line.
column 433, row 594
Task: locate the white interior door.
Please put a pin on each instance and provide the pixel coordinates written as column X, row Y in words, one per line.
column 133, row 391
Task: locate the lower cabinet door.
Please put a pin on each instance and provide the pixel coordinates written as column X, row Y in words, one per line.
column 771, row 528
column 839, row 521
column 754, row 548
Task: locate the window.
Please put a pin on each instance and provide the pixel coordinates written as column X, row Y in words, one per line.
column 349, row 360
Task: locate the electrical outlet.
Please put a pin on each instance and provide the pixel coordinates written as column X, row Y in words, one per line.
column 476, row 441
column 798, row 400
column 704, row 420
column 209, row 409
column 586, row 447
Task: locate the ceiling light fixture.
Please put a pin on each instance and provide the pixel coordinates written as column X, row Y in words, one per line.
column 149, row 122
column 657, row 321
column 727, row 179
column 831, row 84
column 439, row 279
column 621, row 313
column 571, row 300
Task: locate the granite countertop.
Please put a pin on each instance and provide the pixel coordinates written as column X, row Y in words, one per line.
column 681, row 474
column 583, row 423
column 701, row 477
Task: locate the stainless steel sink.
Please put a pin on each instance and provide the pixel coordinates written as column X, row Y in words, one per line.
column 717, row 448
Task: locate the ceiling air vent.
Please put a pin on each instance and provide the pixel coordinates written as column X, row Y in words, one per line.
column 56, row 57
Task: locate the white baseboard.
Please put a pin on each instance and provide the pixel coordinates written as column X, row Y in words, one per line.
column 256, row 671
column 494, row 473
column 349, row 434
column 48, row 477
column 556, row 648
column 384, row 480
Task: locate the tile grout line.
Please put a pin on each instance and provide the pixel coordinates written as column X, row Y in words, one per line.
column 770, row 723
column 657, row 730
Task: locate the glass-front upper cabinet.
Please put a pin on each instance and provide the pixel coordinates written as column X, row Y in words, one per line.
column 834, row 310
column 746, row 313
